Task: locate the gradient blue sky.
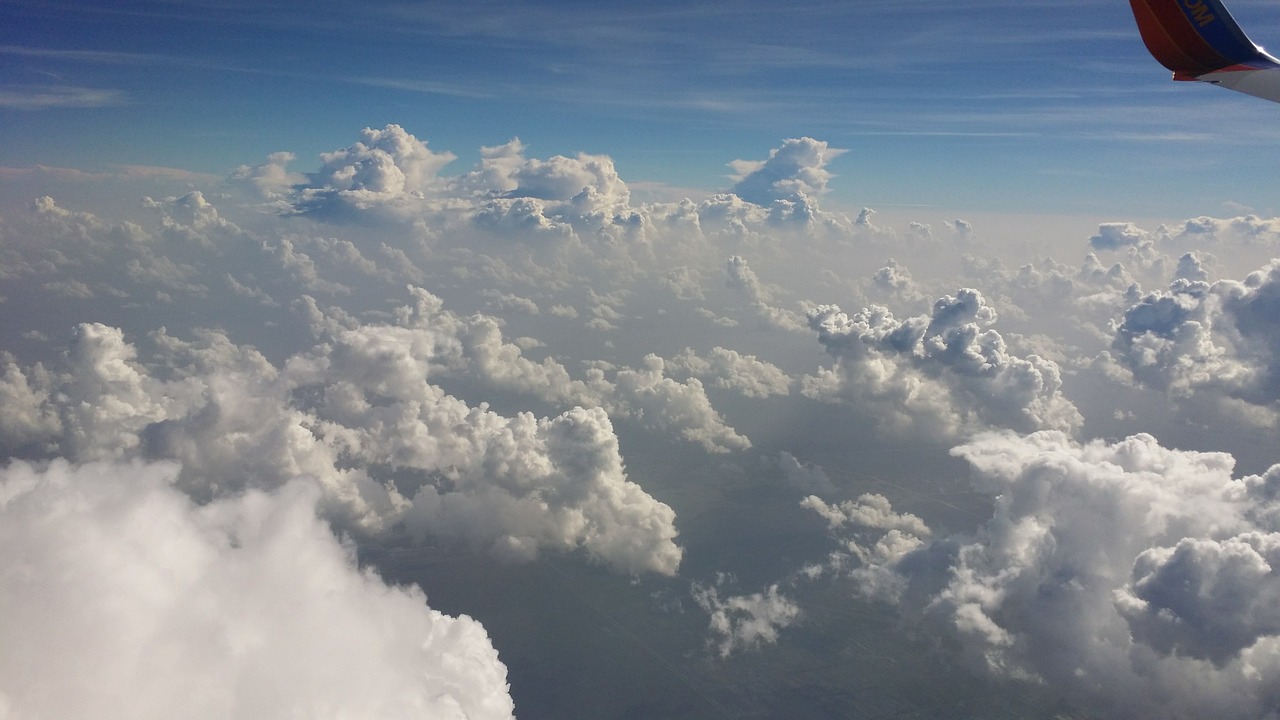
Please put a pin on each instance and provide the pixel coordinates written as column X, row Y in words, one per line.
column 965, row 107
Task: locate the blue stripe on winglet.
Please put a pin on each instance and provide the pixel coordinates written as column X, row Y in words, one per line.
column 1212, row 21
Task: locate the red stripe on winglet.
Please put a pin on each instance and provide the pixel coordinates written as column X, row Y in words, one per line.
column 1173, row 41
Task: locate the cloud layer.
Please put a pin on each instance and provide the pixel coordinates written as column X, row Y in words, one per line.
column 523, row 358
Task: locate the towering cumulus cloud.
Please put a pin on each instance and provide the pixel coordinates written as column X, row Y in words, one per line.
column 789, row 182
column 385, row 167
column 794, row 171
column 122, row 599
column 1219, row 342
column 1137, row 578
column 947, row 373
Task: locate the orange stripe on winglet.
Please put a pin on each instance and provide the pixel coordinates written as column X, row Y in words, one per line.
column 1173, row 41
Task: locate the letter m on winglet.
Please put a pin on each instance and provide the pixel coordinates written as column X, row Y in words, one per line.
column 1198, row 12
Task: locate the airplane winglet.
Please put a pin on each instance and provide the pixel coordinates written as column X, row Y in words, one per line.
column 1192, row 37
column 1199, row 40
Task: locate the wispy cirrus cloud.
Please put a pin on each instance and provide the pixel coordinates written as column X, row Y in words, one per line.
column 95, row 56
column 419, row 86
column 46, row 97
column 115, row 172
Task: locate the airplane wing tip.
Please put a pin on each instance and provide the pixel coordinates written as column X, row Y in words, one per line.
column 1199, row 40
column 1192, row 37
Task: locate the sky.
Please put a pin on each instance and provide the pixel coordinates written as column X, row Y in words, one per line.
column 558, row 360
column 972, row 107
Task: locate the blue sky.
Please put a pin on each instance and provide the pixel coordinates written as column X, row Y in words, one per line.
column 980, row 107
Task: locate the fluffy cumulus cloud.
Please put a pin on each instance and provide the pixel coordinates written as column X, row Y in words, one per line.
column 29, row 421
column 510, row 483
column 124, row 599
column 869, row 511
column 873, row 541
column 1233, row 245
column 1136, row 578
column 1112, row 236
column 271, row 179
column 794, row 171
column 1209, row 599
column 581, row 196
column 647, row 394
column 475, row 347
column 744, row 622
column 1219, row 342
column 385, row 166
column 390, row 174
column 393, row 174
column 946, row 373
column 895, row 280
column 729, row 369
column 355, row 414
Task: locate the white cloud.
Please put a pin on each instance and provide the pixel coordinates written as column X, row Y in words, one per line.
column 1240, row 243
column 1133, row 577
column 475, row 347
column 385, row 168
column 895, row 280
column 395, row 174
column 870, row 511
column 29, row 421
column 384, row 161
column 1219, row 342
column 70, row 288
column 571, row 187
column 806, row 477
column 729, row 369
column 654, row 399
column 345, row 412
column 742, row 277
column 1191, row 267
column 519, row 216
column 588, row 184
column 744, row 622
column 124, row 599
column 946, row 373
column 744, row 280
column 272, row 179
column 794, row 171
column 684, row 282
column 1245, row 228
column 874, row 539
column 728, row 218
column 1206, row 598
column 1113, row 236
